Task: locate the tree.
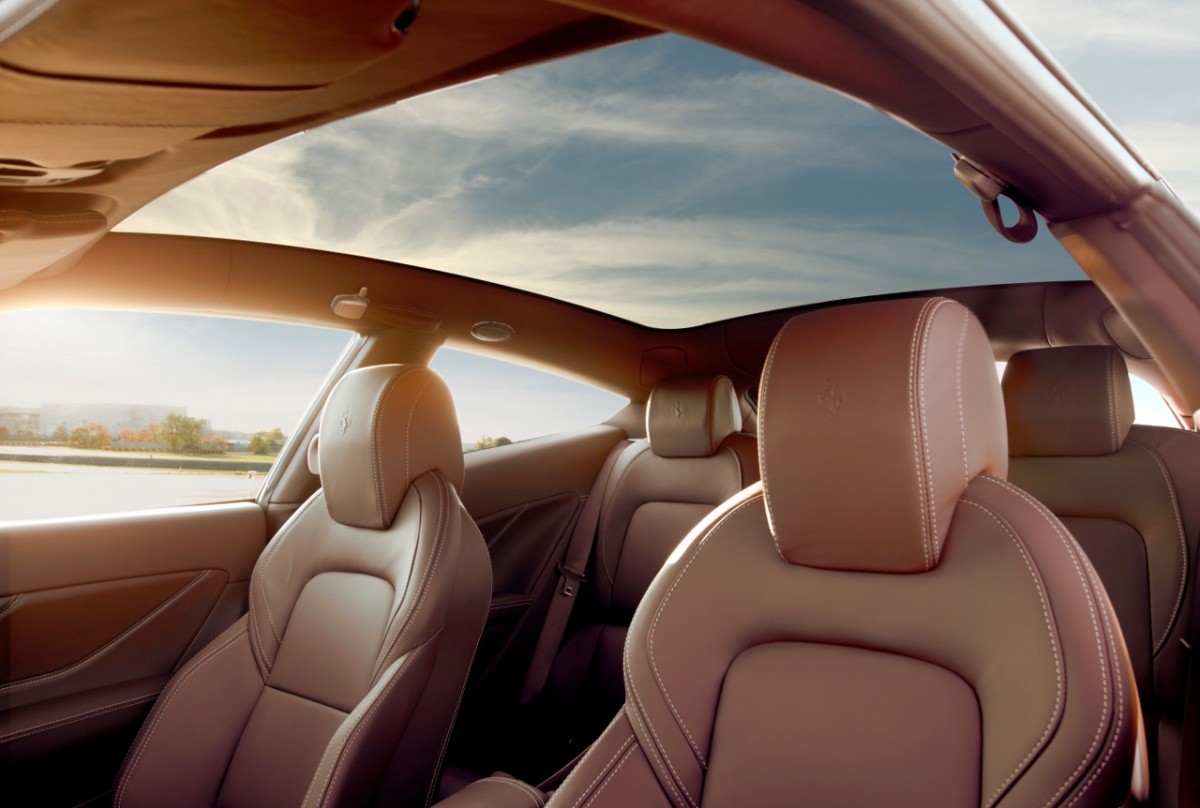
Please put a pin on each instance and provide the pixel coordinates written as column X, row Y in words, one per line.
column 180, row 433
column 90, row 436
column 60, row 435
column 215, row 444
column 4, row 433
column 487, row 442
column 267, row 442
column 127, row 436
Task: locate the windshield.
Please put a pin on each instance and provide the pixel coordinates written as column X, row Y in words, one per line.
column 662, row 181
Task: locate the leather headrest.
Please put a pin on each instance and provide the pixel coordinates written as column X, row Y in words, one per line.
column 382, row 428
column 873, row 420
column 1067, row 402
column 691, row 415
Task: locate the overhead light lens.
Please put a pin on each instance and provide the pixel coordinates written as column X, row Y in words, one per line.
column 491, row 331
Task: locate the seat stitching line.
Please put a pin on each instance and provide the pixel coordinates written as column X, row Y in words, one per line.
column 608, row 779
column 517, row 784
column 8, row 607
column 913, row 405
column 178, row 683
column 616, row 719
column 668, row 775
column 74, row 718
column 958, row 389
column 331, row 778
column 609, row 494
column 1070, row 545
column 716, row 528
column 440, row 545
column 412, row 413
column 1116, row 666
column 108, row 646
column 1112, row 417
column 377, row 469
column 764, row 390
column 926, row 327
column 462, row 689
column 625, row 748
column 1183, row 548
column 1055, row 713
column 280, row 538
column 660, row 757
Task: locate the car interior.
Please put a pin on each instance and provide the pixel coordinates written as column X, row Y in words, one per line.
column 914, row 545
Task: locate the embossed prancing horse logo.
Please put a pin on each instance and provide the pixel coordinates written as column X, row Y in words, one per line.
column 677, row 410
column 831, row 397
column 344, row 423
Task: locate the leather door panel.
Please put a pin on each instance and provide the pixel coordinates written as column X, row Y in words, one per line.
column 95, row 614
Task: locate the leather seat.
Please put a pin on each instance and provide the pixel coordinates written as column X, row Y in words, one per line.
column 659, row 488
column 339, row 686
column 1131, row 497
column 884, row 620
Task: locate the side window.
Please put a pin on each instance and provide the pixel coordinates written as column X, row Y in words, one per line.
column 105, row 411
column 501, row 402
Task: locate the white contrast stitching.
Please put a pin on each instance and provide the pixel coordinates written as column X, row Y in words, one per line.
column 1055, row 713
column 1069, row 545
column 462, row 689
column 1183, row 548
column 1112, row 416
column 1116, row 666
column 958, row 389
column 331, row 777
column 276, row 543
column 412, row 413
column 173, row 688
column 8, row 607
column 376, row 436
column 913, row 406
column 713, row 531
column 625, row 748
column 931, row 501
column 764, row 390
column 108, row 646
column 75, row 718
column 608, row 779
column 439, row 545
column 524, row 788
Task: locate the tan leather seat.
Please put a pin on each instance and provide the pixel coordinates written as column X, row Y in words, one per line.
column 1131, row 496
column 344, row 677
column 660, row 487
column 883, row 620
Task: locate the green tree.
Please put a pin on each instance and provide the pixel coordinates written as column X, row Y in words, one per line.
column 90, row 436
column 487, row 442
column 180, row 433
column 60, row 435
column 267, row 442
column 4, row 433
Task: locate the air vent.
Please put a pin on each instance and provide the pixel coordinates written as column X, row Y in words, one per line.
column 25, row 173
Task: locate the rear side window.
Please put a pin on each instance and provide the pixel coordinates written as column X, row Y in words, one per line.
column 103, row 412
column 502, row 402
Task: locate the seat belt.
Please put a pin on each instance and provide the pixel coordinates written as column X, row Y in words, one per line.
column 1189, row 760
column 571, row 577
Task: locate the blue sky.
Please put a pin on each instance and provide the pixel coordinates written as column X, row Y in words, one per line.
column 672, row 183
column 664, row 181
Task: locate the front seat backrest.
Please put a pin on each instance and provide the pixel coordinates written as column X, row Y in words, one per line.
column 1129, row 495
column 884, row 620
column 364, row 613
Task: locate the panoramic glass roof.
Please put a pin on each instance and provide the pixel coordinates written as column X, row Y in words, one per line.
column 662, row 181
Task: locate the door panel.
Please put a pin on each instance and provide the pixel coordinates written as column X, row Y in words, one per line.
column 95, row 615
column 525, row 498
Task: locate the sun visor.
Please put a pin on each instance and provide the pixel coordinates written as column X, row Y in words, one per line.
column 30, row 242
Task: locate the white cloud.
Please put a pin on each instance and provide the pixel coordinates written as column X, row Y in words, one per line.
column 1067, row 25
column 1171, row 147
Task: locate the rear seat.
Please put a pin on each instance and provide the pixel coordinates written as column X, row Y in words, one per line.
column 1131, row 496
column 657, row 490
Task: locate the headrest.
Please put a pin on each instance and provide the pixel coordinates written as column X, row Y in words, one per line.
column 1067, row 401
column 382, row 428
column 873, row 420
column 691, row 415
